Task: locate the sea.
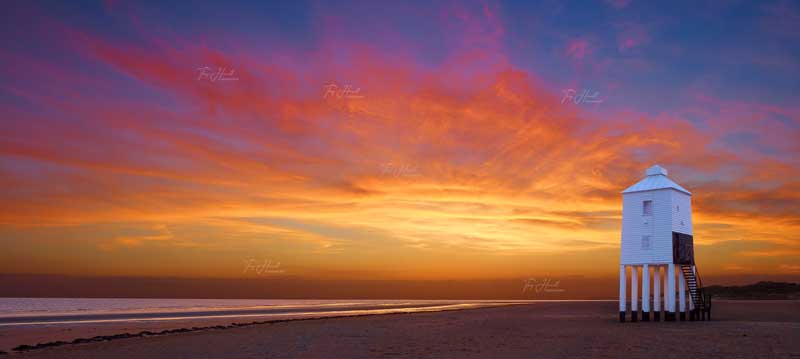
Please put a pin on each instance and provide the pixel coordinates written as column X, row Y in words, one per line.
column 49, row 311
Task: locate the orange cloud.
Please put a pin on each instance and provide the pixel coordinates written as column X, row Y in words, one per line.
column 268, row 164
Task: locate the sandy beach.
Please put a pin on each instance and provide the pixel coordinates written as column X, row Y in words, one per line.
column 23, row 327
column 741, row 329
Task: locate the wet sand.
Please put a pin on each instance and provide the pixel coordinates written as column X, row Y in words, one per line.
column 34, row 330
column 741, row 329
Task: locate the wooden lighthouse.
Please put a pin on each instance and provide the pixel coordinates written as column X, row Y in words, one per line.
column 657, row 237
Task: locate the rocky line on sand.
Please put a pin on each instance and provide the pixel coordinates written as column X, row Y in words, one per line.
column 147, row 333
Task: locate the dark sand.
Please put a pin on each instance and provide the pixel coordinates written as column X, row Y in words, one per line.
column 51, row 329
column 741, row 329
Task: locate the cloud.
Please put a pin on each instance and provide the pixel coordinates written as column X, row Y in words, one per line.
column 578, row 49
column 502, row 167
column 631, row 36
column 790, row 268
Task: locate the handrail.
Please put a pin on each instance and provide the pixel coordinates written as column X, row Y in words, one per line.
column 705, row 301
column 699, row 284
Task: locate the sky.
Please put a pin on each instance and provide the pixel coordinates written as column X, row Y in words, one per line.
column 356, row 140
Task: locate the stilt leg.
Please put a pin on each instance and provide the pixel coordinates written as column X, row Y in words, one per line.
column 646, row 293
column 669, row 293
column 622, row 299
column 682, row 296
column 634, row 293
column 657, row 293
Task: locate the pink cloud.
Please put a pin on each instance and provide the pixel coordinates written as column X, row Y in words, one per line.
column 578, row 49
column 270, row 145
column 632, row 36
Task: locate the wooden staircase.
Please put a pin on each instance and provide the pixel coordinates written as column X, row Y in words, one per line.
column 701, row 301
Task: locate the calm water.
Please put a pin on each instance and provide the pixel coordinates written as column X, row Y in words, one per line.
column 23, row 306
column 36, row 311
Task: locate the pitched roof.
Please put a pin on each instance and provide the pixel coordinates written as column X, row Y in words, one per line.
column 656, row 179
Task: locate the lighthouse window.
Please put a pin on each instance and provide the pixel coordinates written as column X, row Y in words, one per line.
column 647, row 208
column 645, row 242
column 677, row 208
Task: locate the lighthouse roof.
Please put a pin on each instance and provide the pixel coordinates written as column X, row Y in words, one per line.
column 656, row 179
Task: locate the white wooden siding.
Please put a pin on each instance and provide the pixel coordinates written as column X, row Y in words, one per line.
column 683, row 202
column 659, row 226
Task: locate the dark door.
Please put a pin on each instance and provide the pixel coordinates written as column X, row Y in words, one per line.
column 682, row 248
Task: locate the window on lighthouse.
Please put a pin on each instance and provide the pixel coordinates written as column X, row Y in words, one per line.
column 645, row 242
column 647, row 208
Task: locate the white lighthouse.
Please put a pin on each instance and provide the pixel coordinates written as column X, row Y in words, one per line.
column 657, row 237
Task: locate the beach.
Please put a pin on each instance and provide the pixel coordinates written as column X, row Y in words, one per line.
column 740, row 329
column 33, row 323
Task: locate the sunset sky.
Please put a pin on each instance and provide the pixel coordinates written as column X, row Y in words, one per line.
column 454, row 156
